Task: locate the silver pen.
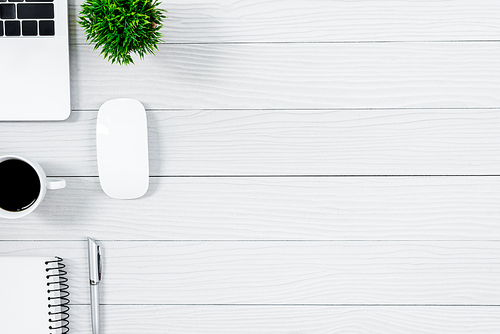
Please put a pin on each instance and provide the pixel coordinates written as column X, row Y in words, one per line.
column 95, row 275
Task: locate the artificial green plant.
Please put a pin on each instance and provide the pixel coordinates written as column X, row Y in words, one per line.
column 122, row 27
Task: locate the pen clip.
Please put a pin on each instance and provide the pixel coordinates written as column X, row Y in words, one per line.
column 99, row 263
column 95, row 262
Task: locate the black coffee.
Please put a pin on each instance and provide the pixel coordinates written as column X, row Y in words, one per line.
column 19, row 185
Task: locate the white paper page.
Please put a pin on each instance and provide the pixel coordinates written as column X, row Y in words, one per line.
column 23, row 295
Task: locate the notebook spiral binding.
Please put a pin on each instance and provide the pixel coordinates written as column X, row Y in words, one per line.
column 58, row 296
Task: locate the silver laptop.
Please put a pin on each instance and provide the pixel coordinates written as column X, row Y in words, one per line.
column 34, row 60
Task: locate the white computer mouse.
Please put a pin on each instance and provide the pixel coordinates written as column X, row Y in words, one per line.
column 122, row 148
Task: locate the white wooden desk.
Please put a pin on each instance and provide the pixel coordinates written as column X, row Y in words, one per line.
column 316, row 167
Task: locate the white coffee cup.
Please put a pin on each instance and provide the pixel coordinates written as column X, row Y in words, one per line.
column 45, row 183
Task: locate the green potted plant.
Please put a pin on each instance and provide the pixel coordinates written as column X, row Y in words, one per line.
column 122, row 27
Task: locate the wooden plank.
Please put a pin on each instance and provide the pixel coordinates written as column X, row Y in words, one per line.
column 292, row 76
column 210, row 21
column 283, row 273
column 287, row 142
column 437, row 208
column 215, row 319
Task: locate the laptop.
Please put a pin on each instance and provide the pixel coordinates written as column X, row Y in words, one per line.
column 34, row 60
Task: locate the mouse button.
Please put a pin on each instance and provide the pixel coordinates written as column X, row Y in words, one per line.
column 122, row 149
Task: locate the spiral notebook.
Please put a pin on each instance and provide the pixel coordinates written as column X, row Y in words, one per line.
column 33, row 296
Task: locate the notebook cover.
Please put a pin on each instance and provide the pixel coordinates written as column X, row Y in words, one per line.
column 24, row 295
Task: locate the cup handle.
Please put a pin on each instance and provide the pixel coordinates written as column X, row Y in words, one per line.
column 54, row 183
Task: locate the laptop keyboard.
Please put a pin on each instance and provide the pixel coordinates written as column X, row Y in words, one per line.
column 27, row 18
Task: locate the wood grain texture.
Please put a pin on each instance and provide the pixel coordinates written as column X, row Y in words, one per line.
column 192, row 319
column 282, row 273
column 286, row 142
column 257, row 88
column 437, row 208
column 295, row 76
column 212, row 21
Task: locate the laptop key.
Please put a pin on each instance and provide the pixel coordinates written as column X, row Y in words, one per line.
column 29, row 28
column 46, row 28
column 35, row 11
column 7, row 11
column 1, row 28
column 12, row 28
